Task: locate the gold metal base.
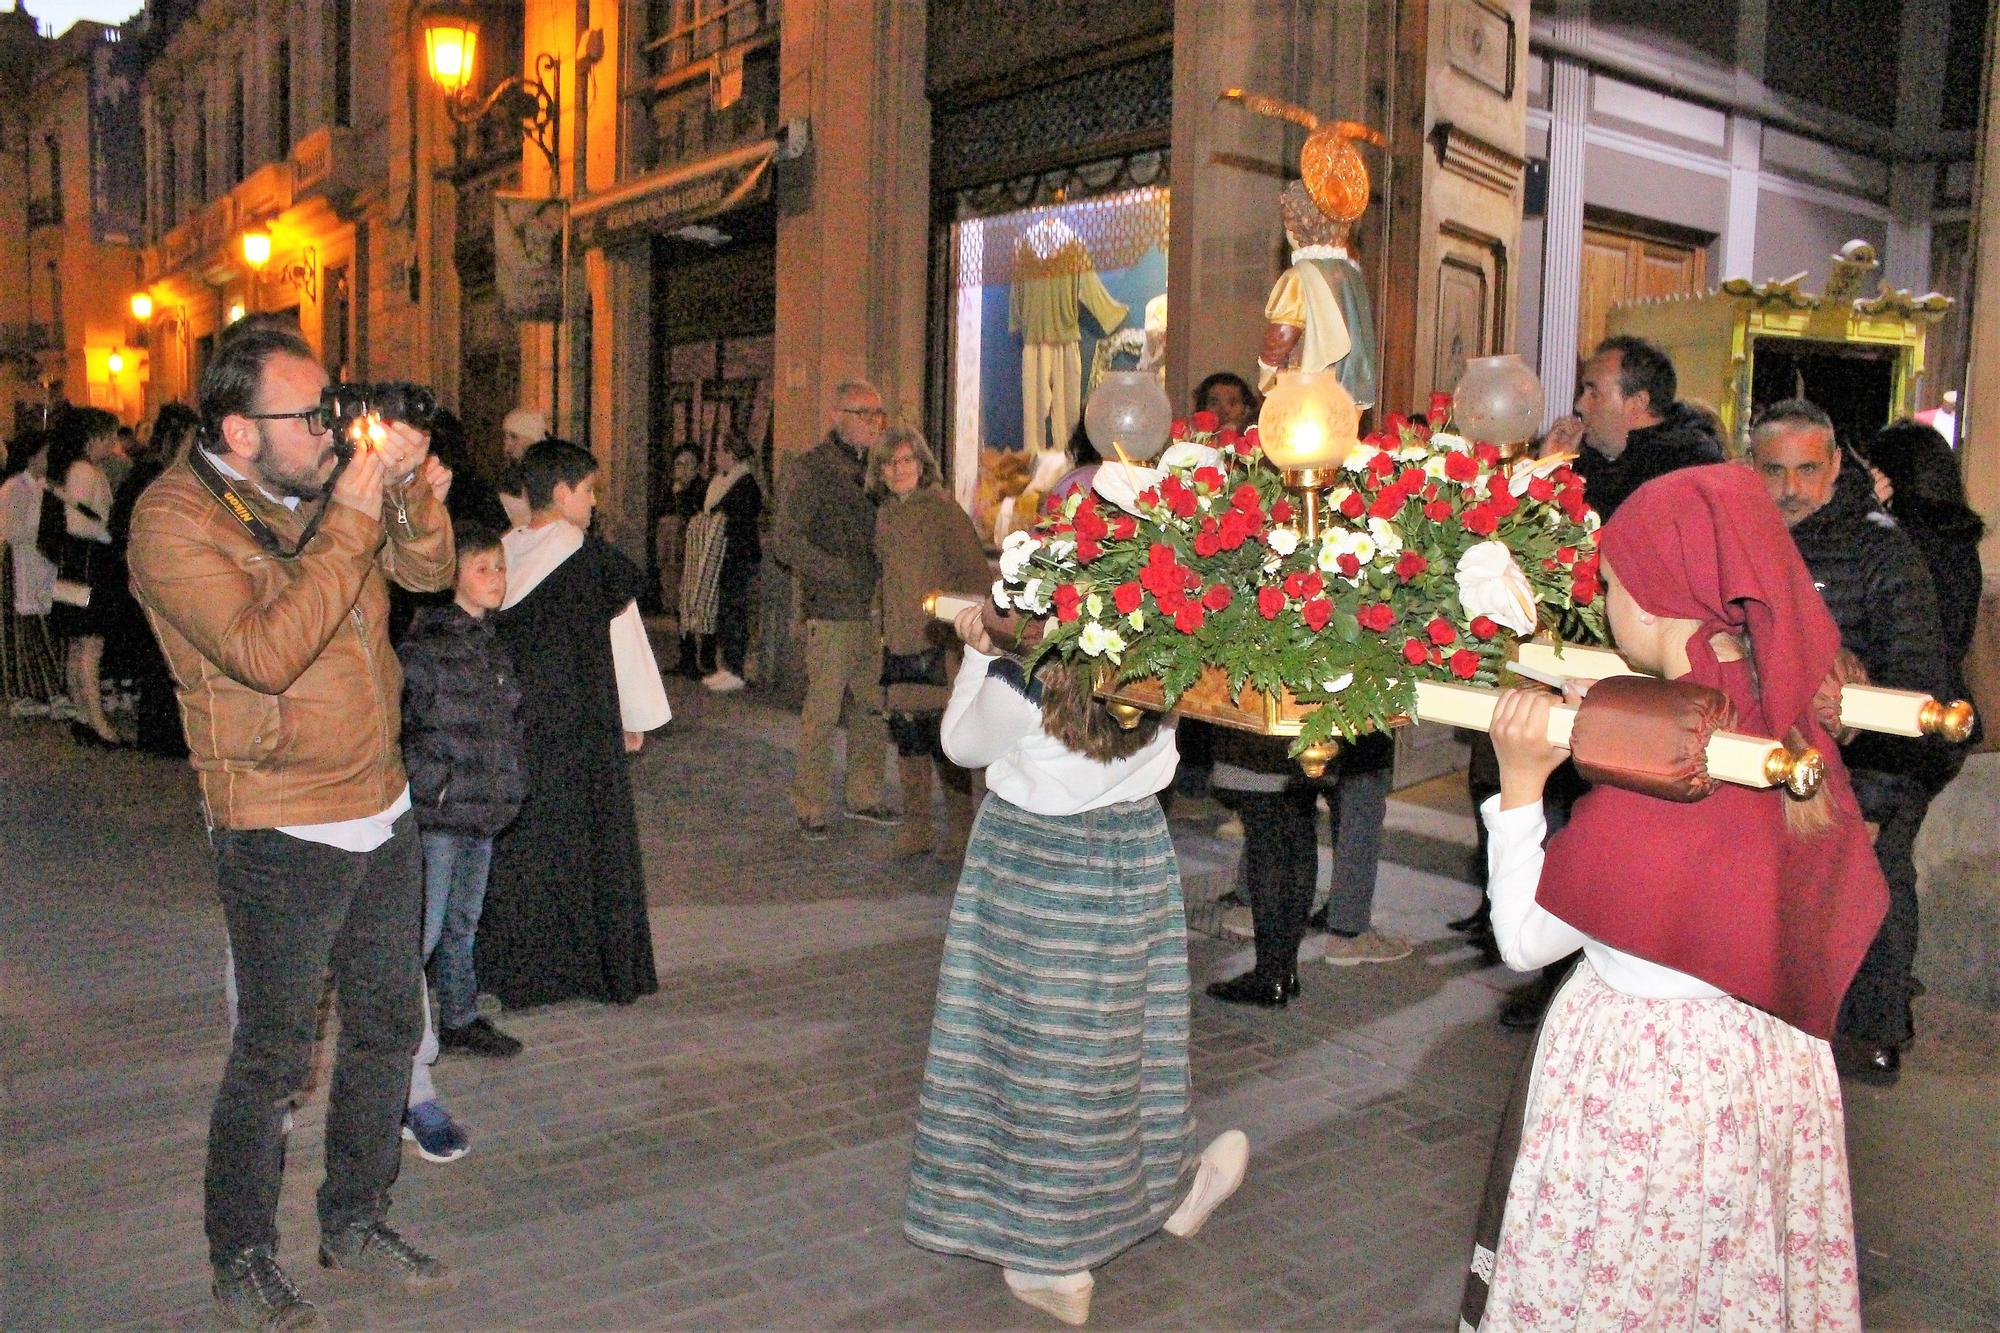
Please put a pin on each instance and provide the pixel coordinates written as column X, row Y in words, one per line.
column 1953, row 721
column 1800, row 773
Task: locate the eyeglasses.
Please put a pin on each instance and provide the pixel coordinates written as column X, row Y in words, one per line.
column 318, row 420
column 872, row 413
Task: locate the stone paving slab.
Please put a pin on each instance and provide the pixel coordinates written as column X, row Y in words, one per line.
column 732, row 1153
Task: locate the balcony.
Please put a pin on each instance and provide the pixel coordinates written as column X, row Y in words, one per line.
column 702, row 36
column 324, row 167
column 47, row 211
column 23, row 343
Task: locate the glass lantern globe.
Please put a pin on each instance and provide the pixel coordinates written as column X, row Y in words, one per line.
column 1129, row 412
column 1498, row 400
column 1308, row 422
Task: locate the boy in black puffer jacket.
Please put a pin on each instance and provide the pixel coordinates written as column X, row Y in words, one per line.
column 462, row 747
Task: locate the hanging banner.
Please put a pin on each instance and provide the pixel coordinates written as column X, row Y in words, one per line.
column 528, row 254
column 674, row 198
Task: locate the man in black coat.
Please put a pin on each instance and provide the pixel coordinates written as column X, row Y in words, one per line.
column 1628, row 427
column 1875, row 583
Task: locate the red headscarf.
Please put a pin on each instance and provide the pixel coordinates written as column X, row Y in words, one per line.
column 1720, row 889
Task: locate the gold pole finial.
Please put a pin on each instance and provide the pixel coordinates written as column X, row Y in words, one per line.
column 1799, row 773
column 1953, row 721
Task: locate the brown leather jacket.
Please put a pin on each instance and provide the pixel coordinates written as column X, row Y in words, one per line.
column 289, row 690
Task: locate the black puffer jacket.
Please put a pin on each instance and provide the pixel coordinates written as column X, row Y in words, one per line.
column 461, row 724
column 1874, row 581
column 1681, row 438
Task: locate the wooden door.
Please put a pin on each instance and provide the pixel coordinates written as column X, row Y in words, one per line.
column 1622, row 263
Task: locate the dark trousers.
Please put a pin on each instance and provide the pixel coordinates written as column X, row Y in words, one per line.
column 297, row 910
column 1280, row 865
column 732, row 615
column 1877, row 1008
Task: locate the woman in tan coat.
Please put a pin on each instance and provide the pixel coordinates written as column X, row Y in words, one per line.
column 925, row 543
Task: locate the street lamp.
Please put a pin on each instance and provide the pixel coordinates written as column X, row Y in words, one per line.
column 451, row 46
column 142, row 306
column 257, row 248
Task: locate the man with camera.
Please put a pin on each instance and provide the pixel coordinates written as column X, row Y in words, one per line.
column 261, row 561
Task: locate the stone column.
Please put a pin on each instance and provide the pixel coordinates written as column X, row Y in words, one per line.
column 1979, row 424
column 1562, row 262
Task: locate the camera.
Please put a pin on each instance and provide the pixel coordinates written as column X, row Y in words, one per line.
column 347, row 408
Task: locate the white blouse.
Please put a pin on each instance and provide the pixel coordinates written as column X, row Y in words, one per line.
column 989, row 724
column 1529, row 936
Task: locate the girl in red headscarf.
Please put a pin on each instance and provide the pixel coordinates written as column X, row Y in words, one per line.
column 1674, row 1157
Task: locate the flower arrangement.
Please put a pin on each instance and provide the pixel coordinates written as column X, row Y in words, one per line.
column 1434, row 556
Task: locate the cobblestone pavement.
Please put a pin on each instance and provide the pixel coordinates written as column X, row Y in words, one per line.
column 731, row 1153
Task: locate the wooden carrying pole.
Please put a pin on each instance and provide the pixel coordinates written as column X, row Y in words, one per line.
column 1862, row 707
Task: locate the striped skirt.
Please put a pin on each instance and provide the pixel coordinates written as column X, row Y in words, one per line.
column 1053, row 1129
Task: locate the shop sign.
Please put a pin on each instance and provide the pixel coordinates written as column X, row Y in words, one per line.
column 671, row 199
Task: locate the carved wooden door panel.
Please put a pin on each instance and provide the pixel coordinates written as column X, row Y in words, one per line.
column 1623, row 264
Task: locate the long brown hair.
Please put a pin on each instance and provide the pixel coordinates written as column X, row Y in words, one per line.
column 1072, row 714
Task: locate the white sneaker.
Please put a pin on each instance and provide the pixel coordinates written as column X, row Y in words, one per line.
column 723, row 682
column 1066, row 1297
column 1223, row 1164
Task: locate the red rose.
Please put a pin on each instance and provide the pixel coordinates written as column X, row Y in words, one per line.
column 1228, row 438
column 1281, row 511
column 1124, row 527
column 1087, row 550
column 1464, row 663
column 1487, row 454
column 1147, row 498
column 1211, row 477
column 1316, row 613
column 1381, row 465
column 1126, row 597
column 1414, row 652
column 1067, row 600
column 1350, row 566
column 1160, row 554
column 1295, row 585
column 1483, row 628
column 1188, row 619
column 1479, row 519
column 1412, row 479
column 1217, row 598
column 1189, row 579
column 1440, row 631
column 1541, row 489
column 1376, row 439
column 1440, row 409
column 1245, row 497
column 1437, row 511
column 1377, row 616
column 1270, row 602
column 1429, row 492
column 1089, row 523
column 1207, row 544
column 1566, row 554
column 1312, row 583
column 1395, row 423
column 1170, row 601
column 1178, row 431
column 1205, row 423
column 1351, row 505
column 1238, row 527
column 1251, row 440
column 1502, row 501
column 1460, row 467
column 1412, row 564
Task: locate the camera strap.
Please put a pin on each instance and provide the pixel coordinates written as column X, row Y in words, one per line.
column 239, row 509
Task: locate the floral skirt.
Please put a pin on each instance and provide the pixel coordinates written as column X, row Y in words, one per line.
column 1681, row 1164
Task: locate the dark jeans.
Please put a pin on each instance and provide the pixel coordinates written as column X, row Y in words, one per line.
column 1280, row 864
column 1877, row 1008
column 296, row 910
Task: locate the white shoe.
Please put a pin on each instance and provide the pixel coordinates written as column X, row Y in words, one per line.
column 1223, row 1164
column 1066, row 1297
column 723, row 682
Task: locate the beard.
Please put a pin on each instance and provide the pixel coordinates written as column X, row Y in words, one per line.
column 308, row 483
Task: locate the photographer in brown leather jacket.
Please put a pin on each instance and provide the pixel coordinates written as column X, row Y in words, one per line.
column 261, row 564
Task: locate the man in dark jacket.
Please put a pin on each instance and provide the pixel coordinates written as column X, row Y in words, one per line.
column 826, row 538
column 1628, row 427
column 1875, row 583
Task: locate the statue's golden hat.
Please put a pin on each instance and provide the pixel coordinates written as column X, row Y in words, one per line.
column 1334, row 174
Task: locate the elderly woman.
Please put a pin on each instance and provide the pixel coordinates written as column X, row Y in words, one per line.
column 926, row 543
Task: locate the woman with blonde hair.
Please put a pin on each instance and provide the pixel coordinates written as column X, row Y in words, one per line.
column 925, row 543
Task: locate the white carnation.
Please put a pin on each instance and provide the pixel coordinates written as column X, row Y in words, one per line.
column 1458, row 444
column 1015, row 552
column 1359, row 457
column 1098, row 640
column 1282, row 540
column 1388, row 541
column 1411, row 452
column 1490, row 584
column 1030, row 597
column 1184, row 454
column 1002, row 595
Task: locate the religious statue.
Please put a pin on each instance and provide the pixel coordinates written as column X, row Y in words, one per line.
column 1319, row 315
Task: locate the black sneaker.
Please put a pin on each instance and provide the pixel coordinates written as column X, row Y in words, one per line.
column 479, row 1037
column 373, row 1249
column 252, row 1291
column 876, row 814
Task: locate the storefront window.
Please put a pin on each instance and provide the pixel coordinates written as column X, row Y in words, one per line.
column 1044, row 300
